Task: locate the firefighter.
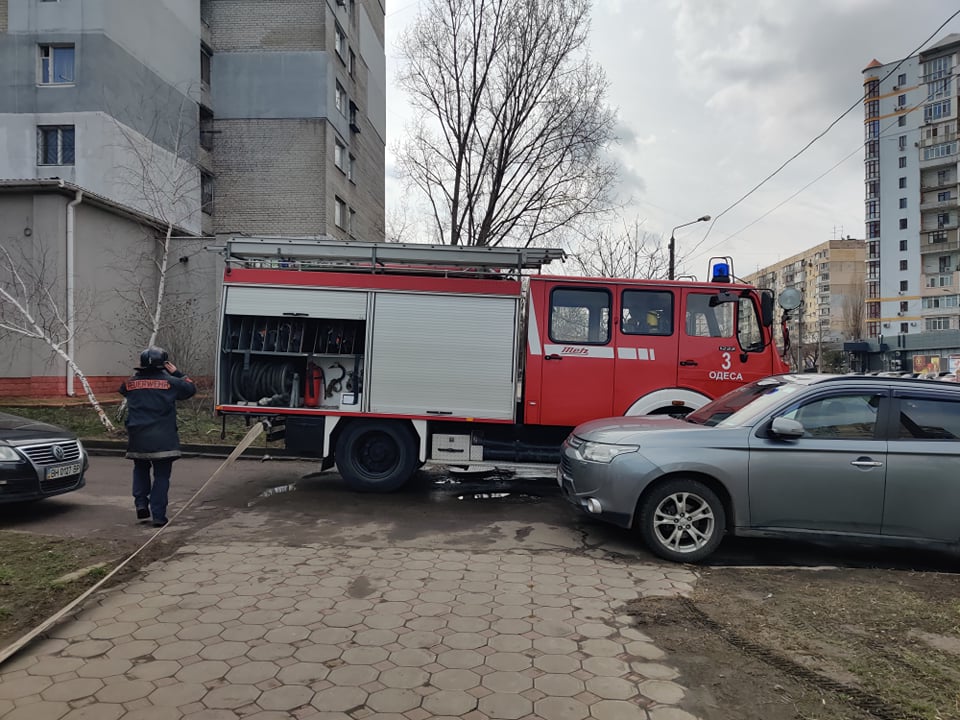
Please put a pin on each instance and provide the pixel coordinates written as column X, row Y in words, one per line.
column 152, row 440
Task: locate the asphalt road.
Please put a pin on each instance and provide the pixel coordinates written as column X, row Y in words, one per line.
column 292, row 502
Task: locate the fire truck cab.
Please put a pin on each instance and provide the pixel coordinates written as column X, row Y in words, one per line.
column 381, row 357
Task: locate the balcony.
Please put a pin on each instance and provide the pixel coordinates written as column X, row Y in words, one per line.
column 938, row 139
column 939, row 241
column 939, row 204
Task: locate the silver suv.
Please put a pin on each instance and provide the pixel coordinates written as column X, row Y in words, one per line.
column 871, row 458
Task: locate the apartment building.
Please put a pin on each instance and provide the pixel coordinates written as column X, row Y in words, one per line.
column 830, row 277
column 202, row 118
column 911, row 199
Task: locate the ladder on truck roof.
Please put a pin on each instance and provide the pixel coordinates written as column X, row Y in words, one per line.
column 305, row 253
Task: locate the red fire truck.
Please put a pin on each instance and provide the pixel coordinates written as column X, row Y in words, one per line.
column 380, row 357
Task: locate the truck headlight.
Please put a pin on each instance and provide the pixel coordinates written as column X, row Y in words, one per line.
column 604, row 452
column 8, row 454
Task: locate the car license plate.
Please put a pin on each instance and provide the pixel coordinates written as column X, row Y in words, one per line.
column 61, row 471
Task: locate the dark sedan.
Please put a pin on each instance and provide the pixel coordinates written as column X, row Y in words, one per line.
column 870, row 458
column 38, row 460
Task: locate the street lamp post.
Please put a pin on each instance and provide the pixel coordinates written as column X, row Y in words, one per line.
column 673, row 243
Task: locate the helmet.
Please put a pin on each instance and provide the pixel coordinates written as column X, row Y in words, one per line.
column 153, row 357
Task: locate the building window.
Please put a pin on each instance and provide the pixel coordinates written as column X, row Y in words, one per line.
column 902, row 183
column 339, row 42
column 873, row 229
column 902, row 121
column 943, row 219
column 901, row 79
column 902, row 161
column 339, row 153
column 904, row 328
column 872, row 169
column 351, row 62
column 904, row 285
column 943, row 177
column 938, row 323
column 903, row 203
column 938, row 151
column 904, row 265
column 56, row 64
column 340, row 98
column 903, row 245
column 351, row 222
column 903, row 223
column 55, row 145
column 904, row 306
column 206, row 193
column 902, row 142
column 935, row 111
column 353, row 117
column 944, row 264
column 901, row 101
column 204, row 67
column 351, row 161
column 873, row 209
column 943, row 196
column 339, row 212
column 206, row 129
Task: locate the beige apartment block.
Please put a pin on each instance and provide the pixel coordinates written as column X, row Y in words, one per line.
column 831, row 278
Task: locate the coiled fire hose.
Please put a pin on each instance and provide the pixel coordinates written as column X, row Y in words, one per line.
column 18, row 645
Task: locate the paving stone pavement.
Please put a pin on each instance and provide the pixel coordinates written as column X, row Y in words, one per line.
column 263, row 631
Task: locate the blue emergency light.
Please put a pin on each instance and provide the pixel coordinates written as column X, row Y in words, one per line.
column 720, row 273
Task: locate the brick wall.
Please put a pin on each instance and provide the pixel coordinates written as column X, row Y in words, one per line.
column 270, row 176
column 274, row 25
column 50, row 386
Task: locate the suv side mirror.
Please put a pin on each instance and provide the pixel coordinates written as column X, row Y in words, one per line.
column 786, row 428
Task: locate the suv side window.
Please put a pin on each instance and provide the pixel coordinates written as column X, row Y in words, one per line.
column 840, row 417
column 580, row 316
column 928, row 419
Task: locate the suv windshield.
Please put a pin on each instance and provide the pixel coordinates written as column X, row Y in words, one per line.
column 738, row 406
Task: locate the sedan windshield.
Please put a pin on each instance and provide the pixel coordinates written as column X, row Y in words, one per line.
column 738, row 406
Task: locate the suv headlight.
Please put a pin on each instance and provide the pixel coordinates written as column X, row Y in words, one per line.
column 8, row 454
column 604, row 452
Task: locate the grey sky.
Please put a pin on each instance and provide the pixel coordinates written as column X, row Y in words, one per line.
column 713, row 95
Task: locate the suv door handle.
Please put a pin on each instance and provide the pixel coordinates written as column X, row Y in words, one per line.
column 866, row 463
column 553, row 357
column 688, row 363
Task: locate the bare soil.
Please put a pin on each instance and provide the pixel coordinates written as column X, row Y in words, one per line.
column 774, row 644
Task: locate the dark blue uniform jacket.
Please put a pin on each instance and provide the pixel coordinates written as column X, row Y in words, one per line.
column 152, row 396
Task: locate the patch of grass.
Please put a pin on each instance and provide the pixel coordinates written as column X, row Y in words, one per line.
column 29, row 565
column 893, row 634
column 195, row 418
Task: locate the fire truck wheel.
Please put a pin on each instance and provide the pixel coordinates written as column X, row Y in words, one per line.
column 682, row 520
column 376, row 456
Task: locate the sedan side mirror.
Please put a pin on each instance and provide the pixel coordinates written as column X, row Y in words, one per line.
column 786, row 428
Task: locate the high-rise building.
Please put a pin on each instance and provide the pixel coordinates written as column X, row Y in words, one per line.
column 911, row 203
column 830, row 279
column 121, row 120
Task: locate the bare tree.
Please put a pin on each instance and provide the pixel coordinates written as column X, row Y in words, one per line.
column 854, row 310
column 166, row 184
column 628, row 253
column 30, row 311
column 513, row 122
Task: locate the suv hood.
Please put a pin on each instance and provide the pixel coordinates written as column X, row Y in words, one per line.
column 15, row 429
column 626, row 430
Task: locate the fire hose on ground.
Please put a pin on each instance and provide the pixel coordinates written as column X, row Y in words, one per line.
column 51, row 621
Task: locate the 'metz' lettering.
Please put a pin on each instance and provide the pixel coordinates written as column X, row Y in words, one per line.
column 572, row 350
column 718, row 375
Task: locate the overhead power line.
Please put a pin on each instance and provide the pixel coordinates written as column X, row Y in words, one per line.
column 829, row 127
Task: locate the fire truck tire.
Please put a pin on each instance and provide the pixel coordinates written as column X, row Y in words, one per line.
column 682, row 520
column 376, row 455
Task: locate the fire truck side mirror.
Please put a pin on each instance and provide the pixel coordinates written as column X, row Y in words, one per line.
column 723, row 297
column 766, row 308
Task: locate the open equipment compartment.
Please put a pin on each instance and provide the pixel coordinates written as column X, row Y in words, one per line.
column 288, row 347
